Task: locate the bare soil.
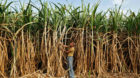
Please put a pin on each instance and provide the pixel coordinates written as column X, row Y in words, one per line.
column 107, row 75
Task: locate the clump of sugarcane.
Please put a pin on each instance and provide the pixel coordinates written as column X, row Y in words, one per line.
column 105, row 42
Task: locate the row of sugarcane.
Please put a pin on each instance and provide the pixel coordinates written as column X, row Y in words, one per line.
column 105, row 42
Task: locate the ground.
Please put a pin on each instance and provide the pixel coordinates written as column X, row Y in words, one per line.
column 109, row 75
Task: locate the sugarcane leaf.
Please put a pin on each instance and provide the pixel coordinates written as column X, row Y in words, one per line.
column 7, row 6
column 28, row 5
column 15, row 9
column 7, row 29
column 5, row 3
column 23, row 27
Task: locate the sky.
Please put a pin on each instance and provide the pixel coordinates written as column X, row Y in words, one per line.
column 134, row 5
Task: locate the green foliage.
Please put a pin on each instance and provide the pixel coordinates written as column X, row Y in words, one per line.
column 55, row 16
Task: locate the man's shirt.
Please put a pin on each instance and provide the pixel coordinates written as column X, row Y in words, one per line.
column 71, row 51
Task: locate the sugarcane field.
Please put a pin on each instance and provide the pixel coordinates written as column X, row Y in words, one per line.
column 69, row 39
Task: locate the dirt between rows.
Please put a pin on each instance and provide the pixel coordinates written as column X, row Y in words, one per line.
column 39, row 74
column 107, row 75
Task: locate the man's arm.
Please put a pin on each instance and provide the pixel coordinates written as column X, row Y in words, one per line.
column 65, row 46
column 70, row 50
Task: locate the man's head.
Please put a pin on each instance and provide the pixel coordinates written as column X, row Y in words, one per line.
column 72, row 44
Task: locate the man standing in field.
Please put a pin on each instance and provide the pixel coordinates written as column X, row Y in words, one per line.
column 70, row 53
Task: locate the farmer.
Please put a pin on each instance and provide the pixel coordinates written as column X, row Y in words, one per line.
column 70, row 53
